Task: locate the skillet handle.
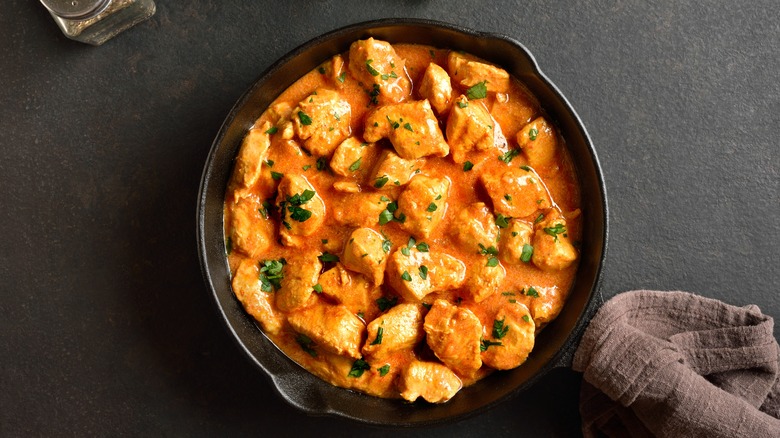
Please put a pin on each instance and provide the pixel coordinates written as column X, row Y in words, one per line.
column 566, row 358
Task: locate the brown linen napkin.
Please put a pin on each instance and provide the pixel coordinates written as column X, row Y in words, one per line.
column 674, row 364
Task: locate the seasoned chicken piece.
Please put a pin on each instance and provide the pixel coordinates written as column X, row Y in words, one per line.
column 380, row 69
column 399, row 329
column 432, row 381
column 424, row 202
column 436, row 87
column 411, row 127
column 359, row 209
column 539, row 142
column 454, row 333
column 332, row 328
column 552, row 247
column 354, row 157
column 392, row 171
column 515, row 244
column 251, row 230
column 516, row 192
column 419, row 273
column 363, row 253
column 352, row 290
column 247, row 287
column 336, row 70
column 300, row 275
column 545, row 303
column 467, row 71
column 321, row 120
column 279, row 112
column 512, row 114
column 475, row 227
column 470, row 128
column 346, row 186
column 514, row 329
column 301, row 209
column 484, row 280
column 253, row 152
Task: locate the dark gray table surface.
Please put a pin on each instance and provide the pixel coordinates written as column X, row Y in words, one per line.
column 107, row 327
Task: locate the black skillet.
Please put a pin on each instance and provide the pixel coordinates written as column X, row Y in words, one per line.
column 554, row 346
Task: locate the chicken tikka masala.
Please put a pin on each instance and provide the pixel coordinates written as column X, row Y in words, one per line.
column 403, row 220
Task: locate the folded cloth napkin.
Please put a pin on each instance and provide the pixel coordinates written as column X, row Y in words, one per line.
column 674, row 364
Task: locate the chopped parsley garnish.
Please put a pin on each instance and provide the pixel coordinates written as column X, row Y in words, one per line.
column 384, row 370
column 384, row 198
column 321, row 69
column 304, row 118
column 294, row 205
column 539, row 218
column 491, row 250
column 356, row 165
column 327, row 257
column 342, row 76
column 423, row 272
column 306, row 167
column 507, row 293
column 408, row 127
column 374, row 94
column 381, row 181
column 468, row 165
column 431, row 207
column 371, row 69
column 423, row 247
column 463, row 104
column 507, row 156
column 386, row 245
column 265, row 211
column 528, row 252
column 385, row 303
column 533, row 133
column 378, row 340
column 271, row 274
column 385, row 217
column 393, row 123
column 502, row 221
column 317, row 288
column 358, row 368
column 405, row 251
column 306, row 344
column 322, row 163
column 499, row 328
column 526, row 318
column 486, row 343
column 276, row 175
column 272, row 130
column 508, row 197
column 391, row 75
column 427, row 306
column 478, row 91
column 532, row 292
column 324, row 241
column 492, row 262
column 526, row 168
column 406, row 277
column 270, row 163
column 555, row 231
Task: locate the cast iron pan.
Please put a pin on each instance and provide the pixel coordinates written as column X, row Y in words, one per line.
column 554, row 346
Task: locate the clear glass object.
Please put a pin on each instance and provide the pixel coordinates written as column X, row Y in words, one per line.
column 96, row 21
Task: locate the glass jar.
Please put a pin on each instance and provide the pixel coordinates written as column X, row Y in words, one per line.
column 96, row 21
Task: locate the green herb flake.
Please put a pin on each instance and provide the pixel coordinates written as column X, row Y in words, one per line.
column 408, row 127
column 526, row 318
column 229, row 245
column 555, row 231
column 270, row 163
column 478, row 91
column 272, row 130
column 356, row 165
column 276, row 175
column 385, row 217
column 423, row 272
column 423, row 247
column 431, row 207
column 271, row 274
column 384, row 370
column 526, row 168
column 374, row 95
column 322, row 163
column 371, row 69
column 405, row 251
column 508, row 293
column 358, row 368
column 395, row 125
column 490, row 250
column 306, row 344
column 468, row 165
column 539, row 218
column 462, row 104
column 381, row 181
column 432, row 53
column 304, row 118
column 528, row 252
column 378, row 340
column 427, row 306
column 507, row 156
column 321, row 69
column 342, row 77
column 508, row 197
column 492, row 262
column 327, row 257
column 502, row 221
column 385, row 303
column 406, row 277
column 532, row 292
column 499, row 328
column 533, row 133
column 486, row 343
column 324, row 241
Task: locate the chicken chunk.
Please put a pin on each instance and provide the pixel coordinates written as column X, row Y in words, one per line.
column 467, row 71
column 512, row 114
column 516, row 192
column 539, row 143
column 364, row 253
column 432, row 381
column 411, row 127
column 333, row 328
column 354, row 157
column 552, row 247
column 322, row 121
column 475, row 227
column 513, row 330
column 392, row 171
column 470, row 128
column 484, row 280
column 398, row 329
column 248, row 290
column 419, row 273
column 359, row 209
column 252, row 155
column 545, row 303
column 515, row 242
column 424, row 202
column 437, row 88
column 300, row 275
column 454, row 333
column 380, row 69
column 352, row 290
column 251, row 230
column 301, row 208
